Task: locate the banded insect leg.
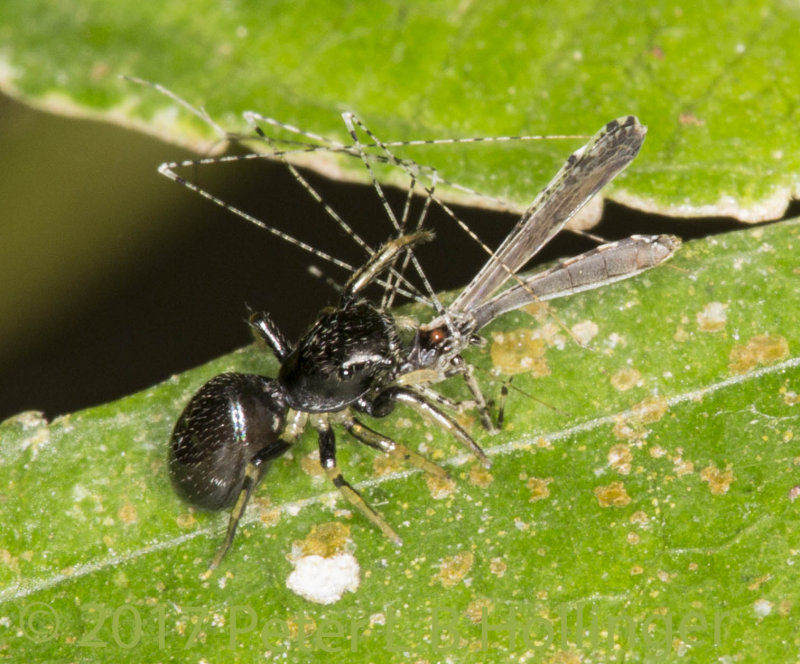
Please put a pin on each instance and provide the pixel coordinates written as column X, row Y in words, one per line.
column 327, row 457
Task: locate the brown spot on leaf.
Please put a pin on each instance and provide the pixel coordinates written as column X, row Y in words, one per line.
column 8, row 560
column 385, row 465
column 585, row 331
column 625, row 379
column 475, row 609
column 651, row 409
column 186, row 520
column 681, row 334
column 620, row 458
column 639, row 518
column 310, row 464
column 790, row 398
column 633, row 425
column 719, row 481
column 497, row 566
column 761, row 349
column 538, row 487
column 713, row 317
column 270, row 517
column 453, row 569
column 627, row 429
column 440, row 487
column 756, row 584
column 613, row 495
column 539, row 310
column 325, row 540
column 519, row 351
column 479, row 476
column 564, row 657
column 682, row 467
column 127, row 513
column 687, row 118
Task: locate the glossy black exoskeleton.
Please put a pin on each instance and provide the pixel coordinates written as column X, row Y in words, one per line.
column 349, row 358
column 233, row 420
column 343, row 357
column 355, row 359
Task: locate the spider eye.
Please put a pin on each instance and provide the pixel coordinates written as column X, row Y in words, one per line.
column 438, row 335
column 348, row 370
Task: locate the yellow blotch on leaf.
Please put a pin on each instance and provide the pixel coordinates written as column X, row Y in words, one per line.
column 713, row 317
column 760, row 349
column 325, row 540
column 453, row 569
column 519, row 351
column 625, row 379
column 538, row 487
column 613, row 495
column 719, row 481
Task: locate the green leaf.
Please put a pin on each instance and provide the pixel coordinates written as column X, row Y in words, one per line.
column 681, row 413
column 655, row 487
column 716, row 83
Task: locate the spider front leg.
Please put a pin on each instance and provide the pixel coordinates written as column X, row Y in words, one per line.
column 327, row 457
column 384, row 404
column 265, row 329
column 378, row 441
column 419, row 380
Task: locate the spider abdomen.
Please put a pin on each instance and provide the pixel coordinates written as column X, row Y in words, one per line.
column 233, row 419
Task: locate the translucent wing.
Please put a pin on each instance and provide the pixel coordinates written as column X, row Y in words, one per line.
column 587, row 171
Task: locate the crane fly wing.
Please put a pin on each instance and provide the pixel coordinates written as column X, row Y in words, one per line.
column 586, row 171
